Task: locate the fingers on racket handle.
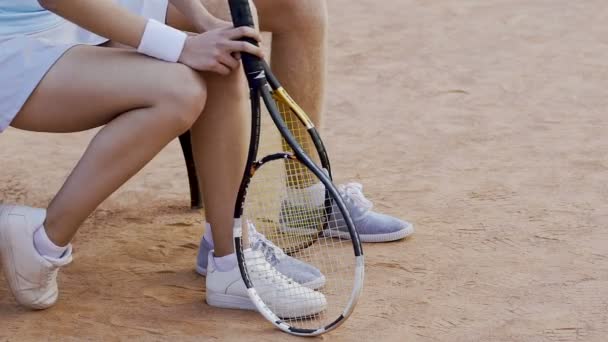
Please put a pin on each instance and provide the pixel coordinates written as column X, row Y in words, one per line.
column 242, row 16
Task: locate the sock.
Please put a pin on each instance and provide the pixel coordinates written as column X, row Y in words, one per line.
column 208, row 235
column 225, row 263
column 313, row 195
column 45, row 246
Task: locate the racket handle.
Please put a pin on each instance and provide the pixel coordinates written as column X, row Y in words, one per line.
column 242, row 16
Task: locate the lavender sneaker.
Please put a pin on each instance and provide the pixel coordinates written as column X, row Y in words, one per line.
column 371, row 226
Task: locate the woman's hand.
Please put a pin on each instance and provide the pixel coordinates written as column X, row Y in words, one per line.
column 218, row 50
column 213, row 23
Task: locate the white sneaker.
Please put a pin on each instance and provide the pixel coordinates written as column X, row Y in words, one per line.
column 303, row 273
column 285, row 297
column 31, row 278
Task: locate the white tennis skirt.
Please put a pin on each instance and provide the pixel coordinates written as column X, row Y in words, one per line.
column 25, row 59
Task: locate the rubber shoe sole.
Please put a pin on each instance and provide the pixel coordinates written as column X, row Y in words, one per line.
column 387, row 237
column 201, row 271
column 225, row 301
column 313, row 285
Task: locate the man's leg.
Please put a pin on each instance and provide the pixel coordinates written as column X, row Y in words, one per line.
column 299, row 44
column 299, row 31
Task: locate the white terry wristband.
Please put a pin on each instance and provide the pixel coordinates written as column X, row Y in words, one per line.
column 162, row 41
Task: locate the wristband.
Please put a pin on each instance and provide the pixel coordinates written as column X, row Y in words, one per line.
column 162, row 42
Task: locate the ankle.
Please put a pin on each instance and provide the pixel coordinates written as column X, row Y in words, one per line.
column 225, row 263
column 45, row 246
column 56, row 230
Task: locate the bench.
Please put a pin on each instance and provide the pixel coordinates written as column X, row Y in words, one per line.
column 196, row 200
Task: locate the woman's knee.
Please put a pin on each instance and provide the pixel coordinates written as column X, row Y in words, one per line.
column 182, row 96
column 233, row 86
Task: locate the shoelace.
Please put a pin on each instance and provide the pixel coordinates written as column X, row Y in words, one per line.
column 260, row 243
column 260, row 266
column 50, row 276
column 353, row 193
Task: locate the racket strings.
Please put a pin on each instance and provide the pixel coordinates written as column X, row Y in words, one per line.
column 283, row 218
column 272, row 142
column 301, row 176
column 298, row 177
column 290, row 218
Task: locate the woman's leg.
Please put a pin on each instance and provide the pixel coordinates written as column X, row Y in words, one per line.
column 220, row 139
column 220, row 135
column 144, row 104
column 220, row 144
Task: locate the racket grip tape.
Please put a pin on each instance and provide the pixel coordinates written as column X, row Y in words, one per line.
column 242, row 16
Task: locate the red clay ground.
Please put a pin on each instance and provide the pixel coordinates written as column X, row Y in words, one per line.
column 483, row 122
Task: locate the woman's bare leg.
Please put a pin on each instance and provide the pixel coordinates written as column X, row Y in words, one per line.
column 220, row 139
column 228, row 108
column 145, row 104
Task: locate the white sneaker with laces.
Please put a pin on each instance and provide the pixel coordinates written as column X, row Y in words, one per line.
column 303, row 273
column 285, row 297
column 31, row 277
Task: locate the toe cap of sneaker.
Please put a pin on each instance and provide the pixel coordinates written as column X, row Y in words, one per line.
column 377, row 227
column 381, row 224
column 36, row 300
column 301, row 272
column 295, row 307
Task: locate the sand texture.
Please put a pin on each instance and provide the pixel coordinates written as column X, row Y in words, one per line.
column 483, row 122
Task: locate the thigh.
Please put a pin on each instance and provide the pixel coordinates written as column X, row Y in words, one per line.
column 90, row 86
column 218, row 8
column 278, row 16
column 269, row 13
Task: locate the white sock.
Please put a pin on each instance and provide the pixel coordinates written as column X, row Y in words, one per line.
column 225, row 263
column 45, row 246
column 314, row 196
column 208, row 235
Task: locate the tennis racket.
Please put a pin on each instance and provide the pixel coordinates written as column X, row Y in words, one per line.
column 286, row 201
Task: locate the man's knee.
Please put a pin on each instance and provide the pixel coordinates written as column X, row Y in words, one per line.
column 289, row 15
column 220, row 9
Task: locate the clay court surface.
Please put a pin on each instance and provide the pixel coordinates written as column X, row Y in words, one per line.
column 483, row 122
